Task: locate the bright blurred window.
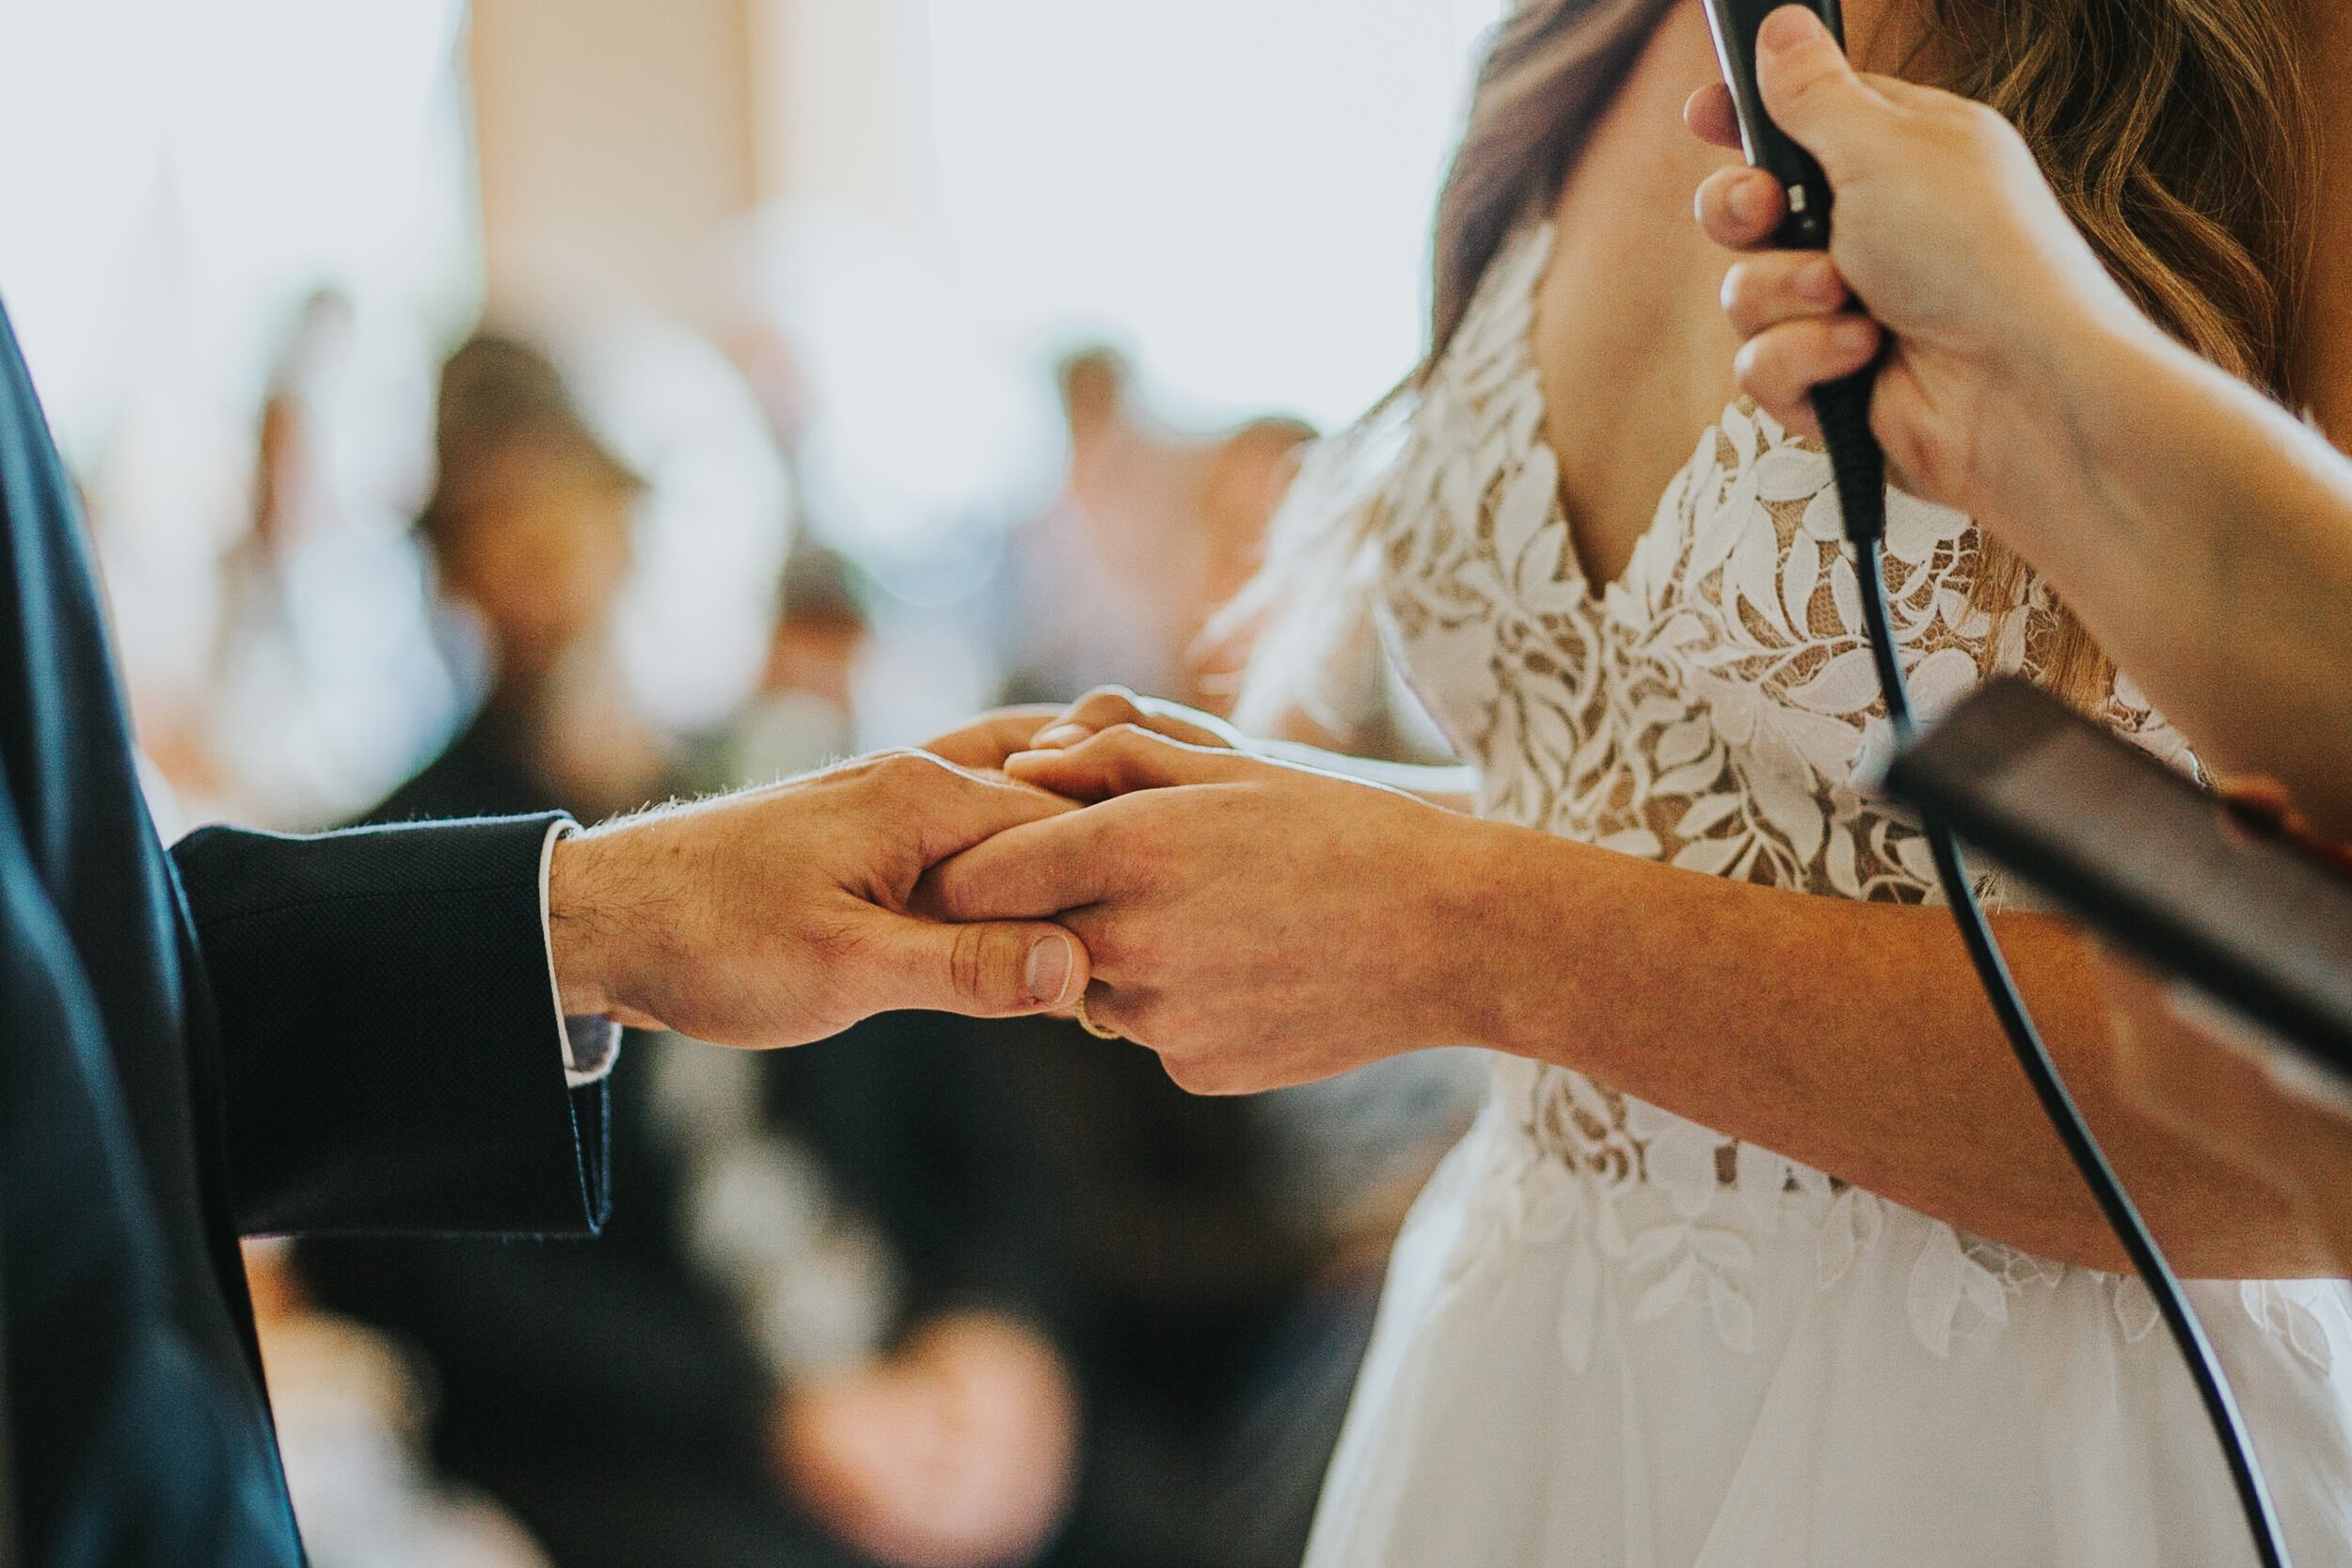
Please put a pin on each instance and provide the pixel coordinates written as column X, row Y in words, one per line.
column 1238, row 190
column 175, row 177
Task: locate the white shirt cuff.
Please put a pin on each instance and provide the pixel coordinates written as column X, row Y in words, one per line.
column 591, row 1045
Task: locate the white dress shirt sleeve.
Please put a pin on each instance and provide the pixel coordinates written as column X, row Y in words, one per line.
column 591, row 1045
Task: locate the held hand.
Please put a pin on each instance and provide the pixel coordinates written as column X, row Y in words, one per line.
column 1950, row 253
column 1108, row 708
column 1255, row 923
column 985, row 743
column 778, row 916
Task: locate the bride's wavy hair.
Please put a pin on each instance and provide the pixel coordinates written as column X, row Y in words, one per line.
column 2178, row 133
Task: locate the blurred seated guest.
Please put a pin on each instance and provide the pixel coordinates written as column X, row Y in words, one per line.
column 1055, row 1202
column 349, row 1411
column 322, row 686
column 529, row 528
column 1026, row 1290
column 724, row 1378
column 803, row 715
column 1154, row 530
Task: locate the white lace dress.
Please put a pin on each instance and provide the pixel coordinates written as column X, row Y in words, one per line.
column 1614, row 1337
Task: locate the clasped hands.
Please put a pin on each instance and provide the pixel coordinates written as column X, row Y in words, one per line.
column 1256, row 922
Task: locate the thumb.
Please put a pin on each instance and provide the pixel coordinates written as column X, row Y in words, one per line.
column 1812, row 92
column 994, row 970
column 1124, row 759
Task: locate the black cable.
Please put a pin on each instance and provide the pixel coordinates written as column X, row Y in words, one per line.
column 1859, row 464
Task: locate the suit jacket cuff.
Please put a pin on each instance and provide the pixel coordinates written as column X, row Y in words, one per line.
column 383, row 998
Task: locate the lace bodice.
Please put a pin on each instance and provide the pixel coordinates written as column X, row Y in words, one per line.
column 1712, row 709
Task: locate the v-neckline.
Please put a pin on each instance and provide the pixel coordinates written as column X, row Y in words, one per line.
column 1591, row 594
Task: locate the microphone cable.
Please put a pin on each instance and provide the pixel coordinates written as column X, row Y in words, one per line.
column 1859, row 465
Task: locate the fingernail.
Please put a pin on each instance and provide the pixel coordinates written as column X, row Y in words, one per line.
column 1787, row 29
column 1028, row 759
column 1822, row 282
column 1854, row 337
column 1059, row 737
column 1051, row 962
column 1745, row 202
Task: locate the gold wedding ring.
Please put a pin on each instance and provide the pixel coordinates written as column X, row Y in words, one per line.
column 1086, row 1021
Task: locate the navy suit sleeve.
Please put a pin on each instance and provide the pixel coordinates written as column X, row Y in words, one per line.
column 390, row 1059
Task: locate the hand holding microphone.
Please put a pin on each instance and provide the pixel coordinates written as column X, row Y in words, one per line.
column 1975, row 278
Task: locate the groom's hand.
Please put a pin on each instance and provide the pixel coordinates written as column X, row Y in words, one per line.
column 778, row 916
column 1257, row 924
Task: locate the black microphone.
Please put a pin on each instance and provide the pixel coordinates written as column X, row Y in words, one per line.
column 1843, row 408
column 1735, row 24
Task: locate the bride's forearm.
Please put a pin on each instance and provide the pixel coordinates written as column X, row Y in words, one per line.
column 1851, row 1037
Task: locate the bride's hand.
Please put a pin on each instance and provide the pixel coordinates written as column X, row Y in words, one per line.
column 1255, row 923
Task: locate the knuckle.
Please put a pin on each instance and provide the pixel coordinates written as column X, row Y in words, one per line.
column 1107, row 705
column 837, row 946
column 1145, row 1019
column 1978, row 132
column 906, row 770
column 1735, row 288
column 1747, row 366
column 984, row 964
column 953, row 891
column 1749, row 291
column 968, row 958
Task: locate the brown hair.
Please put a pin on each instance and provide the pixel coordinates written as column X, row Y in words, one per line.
column 499, row 396
column 2177, row 132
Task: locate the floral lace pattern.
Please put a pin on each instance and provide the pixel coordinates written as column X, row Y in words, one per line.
column 1710, row 709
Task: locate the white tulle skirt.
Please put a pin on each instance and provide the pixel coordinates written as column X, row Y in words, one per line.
column 1580, row 1365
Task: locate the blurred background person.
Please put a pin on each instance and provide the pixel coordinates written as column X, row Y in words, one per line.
column 530, row 532
column 325, row 684
column 351, row 1408
column 805, row 713
column 1203, row 1270
column 1155, row 528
